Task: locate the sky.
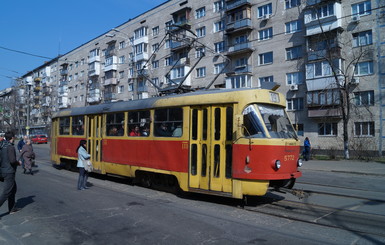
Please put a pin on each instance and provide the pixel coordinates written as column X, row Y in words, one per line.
column 32, row 32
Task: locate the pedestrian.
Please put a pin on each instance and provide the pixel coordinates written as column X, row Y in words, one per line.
column 8, row 168
column 306, row 150
column 82, row 155
column 20, row 147
column 28, row 156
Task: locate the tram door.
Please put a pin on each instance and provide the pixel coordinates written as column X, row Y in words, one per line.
column 211, row 148
column 94, row 138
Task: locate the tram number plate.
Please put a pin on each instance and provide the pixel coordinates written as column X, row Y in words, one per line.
column 289, row 158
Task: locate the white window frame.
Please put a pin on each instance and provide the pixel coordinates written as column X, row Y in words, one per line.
column 200, row 13
column 263, row 58
column 265, row 34
column 294, row 78
column 364, row 129
column 293, row 26
column 201, row 72
column 295, row 104
column 362, row 38
column 362, row 8
column 201, row 32
column 363, row 68
column 294, row 53
column 265, row 10
column 218, row 6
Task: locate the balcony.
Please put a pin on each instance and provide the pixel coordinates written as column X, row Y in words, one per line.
column 323, row 54
column 239, row 25
column 141, row 56
column 182, row 62
column 62, row 91
column 93, row 96
column 94, row 70
column 109, row 97
column 63, row 72
column 317, row 25
column 93, row 59
column 111, row 81
column 239, row 48
column 111, row 63
column 240, row 70
column 230, row 5
column 321, row 113
column 175, row 45
column 142, row 39
column 322, row 83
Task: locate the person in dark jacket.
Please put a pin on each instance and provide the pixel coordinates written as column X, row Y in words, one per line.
column 9, row 164
column 27, row 155
column 20, row 147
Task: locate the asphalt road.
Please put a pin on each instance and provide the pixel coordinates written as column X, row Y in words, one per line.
column 114, row 212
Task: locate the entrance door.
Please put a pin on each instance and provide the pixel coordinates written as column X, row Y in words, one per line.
column 211, row 148
column 94, row 138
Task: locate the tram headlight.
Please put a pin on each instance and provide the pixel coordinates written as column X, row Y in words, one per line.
column 278, row 164
column 299, row 162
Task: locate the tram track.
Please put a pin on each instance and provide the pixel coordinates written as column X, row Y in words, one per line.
column 336, row 218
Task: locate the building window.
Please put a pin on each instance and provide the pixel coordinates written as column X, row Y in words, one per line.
column 130, row 87
column 267, row 79
column 218, row 68
column 294, row 53
column 364, row 128
column 167, row 43
column 242, row 81
column 265, row 34
column 241, row 62
column 323, row 11
column 321, row 98
column 265, row 10
column 219, row 47
column 318, row 69
column 155, row 47
column 363, row 8
column 122, row 59
column 168, row 61
column 199, row 13
column 292, row 3
column 121, row 74
column 364, row 98
column 120, row 89
column 201, row 72
column 155, row 64
column 363, row 68
column 219, row 26
column 155, row 81
column 199, row 52
column 122, row 45
column 362, row 38
column 295, row 104
column 294, row 78
column 155, row 31
column 177, row 72
column 140, row 32
column 299, row 128
column 266, row 58
column 293, row 26
column 218, row 6
column 201, row 32
column 327, row 129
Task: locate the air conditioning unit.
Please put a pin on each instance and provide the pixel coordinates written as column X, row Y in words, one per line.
column 355, row 18
column 294, row 87
column 355, row 80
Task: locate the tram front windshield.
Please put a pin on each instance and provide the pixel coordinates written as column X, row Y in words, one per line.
column 257, row 116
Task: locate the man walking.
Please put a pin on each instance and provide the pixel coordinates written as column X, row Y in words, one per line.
column 9, row 164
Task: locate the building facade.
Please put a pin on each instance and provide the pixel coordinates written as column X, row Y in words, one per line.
column 325, row 56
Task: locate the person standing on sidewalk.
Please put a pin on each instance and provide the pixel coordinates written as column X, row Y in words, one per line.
column 82, row 155
column 9, row 164
column 307, row 148
column 28, row 156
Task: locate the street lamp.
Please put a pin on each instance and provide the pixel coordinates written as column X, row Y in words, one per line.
column 28, row 85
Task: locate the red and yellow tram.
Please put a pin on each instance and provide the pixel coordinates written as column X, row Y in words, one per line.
column 221, row 142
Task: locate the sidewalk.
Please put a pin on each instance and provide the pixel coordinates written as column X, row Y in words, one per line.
column 348, row 166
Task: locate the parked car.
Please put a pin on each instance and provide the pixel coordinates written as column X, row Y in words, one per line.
column 39, row 139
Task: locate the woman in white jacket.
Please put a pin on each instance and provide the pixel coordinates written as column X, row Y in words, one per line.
column 82, row 155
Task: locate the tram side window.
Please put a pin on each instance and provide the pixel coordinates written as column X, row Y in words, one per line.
column 115, row 124
column 78, row 125
column 139, row 123
column 252, row 124
column 168, row 122
column 64, row 126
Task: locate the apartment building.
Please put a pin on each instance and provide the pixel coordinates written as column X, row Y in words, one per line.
column 321, row 54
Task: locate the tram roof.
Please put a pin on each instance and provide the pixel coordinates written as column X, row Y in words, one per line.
column 140, row 104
